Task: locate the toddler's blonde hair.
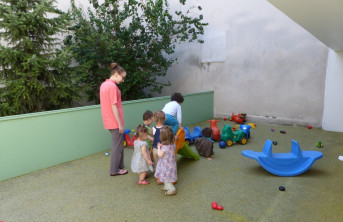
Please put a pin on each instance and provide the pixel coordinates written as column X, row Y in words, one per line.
column 159, row 116
column 167, row 135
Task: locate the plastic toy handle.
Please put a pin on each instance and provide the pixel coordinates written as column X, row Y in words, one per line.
column 180, row 139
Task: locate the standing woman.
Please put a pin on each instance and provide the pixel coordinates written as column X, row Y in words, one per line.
column 113, row 117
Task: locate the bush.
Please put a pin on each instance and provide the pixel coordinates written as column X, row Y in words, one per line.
column 138, row 35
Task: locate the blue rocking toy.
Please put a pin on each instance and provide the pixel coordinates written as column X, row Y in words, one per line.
column 284, row 164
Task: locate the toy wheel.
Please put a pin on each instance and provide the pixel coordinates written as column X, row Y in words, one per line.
column 229, row 143
column 124, row 143
column 187, row 142
column 243, row 141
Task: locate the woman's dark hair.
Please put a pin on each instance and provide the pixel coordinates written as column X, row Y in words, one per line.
column 115, row 68
column 177, row 97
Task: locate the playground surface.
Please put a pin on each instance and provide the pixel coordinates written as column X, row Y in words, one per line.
column 82, row 190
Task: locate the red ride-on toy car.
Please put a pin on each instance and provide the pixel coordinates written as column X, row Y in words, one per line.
column 127, row 139
column 215, row 130
column 239, row 118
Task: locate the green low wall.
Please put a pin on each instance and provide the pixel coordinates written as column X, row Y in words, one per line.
column 36, row 141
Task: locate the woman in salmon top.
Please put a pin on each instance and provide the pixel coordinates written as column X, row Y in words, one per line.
column 113, row 117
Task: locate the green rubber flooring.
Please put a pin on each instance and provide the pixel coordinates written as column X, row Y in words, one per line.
column 82, row 190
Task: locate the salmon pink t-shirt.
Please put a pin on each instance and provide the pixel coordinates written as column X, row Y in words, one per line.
column 109, row 95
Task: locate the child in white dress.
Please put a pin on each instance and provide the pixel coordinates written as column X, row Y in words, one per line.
column 141, row 162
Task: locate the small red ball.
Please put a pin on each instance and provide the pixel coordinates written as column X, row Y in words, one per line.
column 309, row 127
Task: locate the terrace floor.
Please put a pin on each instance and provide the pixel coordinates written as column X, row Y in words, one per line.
column 82, row 190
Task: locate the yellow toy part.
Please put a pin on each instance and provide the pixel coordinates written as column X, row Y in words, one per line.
column 179, row 140
column 182, row 147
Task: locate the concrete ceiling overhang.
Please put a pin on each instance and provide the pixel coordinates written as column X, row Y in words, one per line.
column 323, row 19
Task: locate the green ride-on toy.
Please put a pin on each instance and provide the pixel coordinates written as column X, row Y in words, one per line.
column 228, row 136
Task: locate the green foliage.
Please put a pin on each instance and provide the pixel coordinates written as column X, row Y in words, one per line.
column 34, row 72
column 138, row 35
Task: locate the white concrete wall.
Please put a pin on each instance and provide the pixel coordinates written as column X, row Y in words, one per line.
column 273, row 69
column 332, row 117
column 256, row 60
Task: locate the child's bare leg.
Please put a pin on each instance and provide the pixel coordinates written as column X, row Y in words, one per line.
column 155, row 155
column 151, row 155
column 142, row 176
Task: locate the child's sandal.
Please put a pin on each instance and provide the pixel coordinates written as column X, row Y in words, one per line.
column 143, row 182
column 159, row 182
column 169, row 194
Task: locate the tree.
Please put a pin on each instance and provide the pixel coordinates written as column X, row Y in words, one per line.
column 34, row 71
column 137, row 34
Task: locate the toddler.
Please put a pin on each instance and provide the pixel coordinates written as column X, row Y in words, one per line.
column 172, row 109
column 204, row 145
column 159, row 118
column 141, row 162
column 147, row 121
column 166, row 169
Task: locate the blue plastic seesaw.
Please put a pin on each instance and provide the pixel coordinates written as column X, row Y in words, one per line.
column 284, row 164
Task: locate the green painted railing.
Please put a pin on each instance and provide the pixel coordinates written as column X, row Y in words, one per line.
column 36, row 141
